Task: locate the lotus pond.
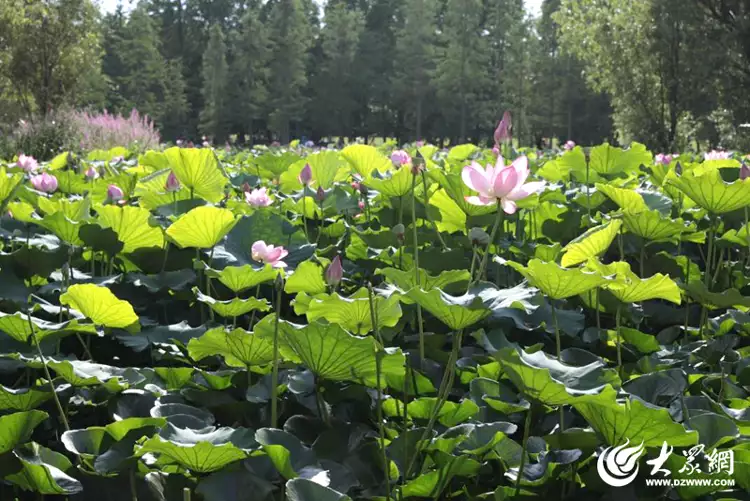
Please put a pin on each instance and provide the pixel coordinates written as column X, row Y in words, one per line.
column 325, row 325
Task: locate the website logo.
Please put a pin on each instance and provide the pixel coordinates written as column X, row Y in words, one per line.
column 618, row 466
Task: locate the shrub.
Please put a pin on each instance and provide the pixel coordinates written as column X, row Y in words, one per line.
column 41, row 137
column 105, row 131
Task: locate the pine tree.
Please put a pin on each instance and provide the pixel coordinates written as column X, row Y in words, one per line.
column 415, row 59
column 213, row 118
column 290, row 40
column 172, row 122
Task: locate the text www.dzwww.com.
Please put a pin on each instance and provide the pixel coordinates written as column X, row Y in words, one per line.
column 689, row 482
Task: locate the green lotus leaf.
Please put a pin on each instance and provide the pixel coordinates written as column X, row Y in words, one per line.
column 608, row 160
column 198, row 170
column 100, row 305
column 457, row 312
column 365, row 159
column 550, row 381
column 35, row 468
column 591, row 244
column 202, row 227
column 200, row 457
column 275, row 164
column 451, row 413
column 241, row 278
column 75, row 210
column 396, row 185
column 432, row 484
column 261, row 225
column 630, row 288
column 303, row 489
column 308, row 278
column 405, row 279
column 461, row 152
column 325, row 166
column 353, row 313
column 330, row 352
column 238, row 348
column 454, row 187
column 729, row 298
column 557, row 282
column 151, row 191
column 627, row 199
column 16, row 428
column 17, row 326
column 632, row 420
column 706, row 188
column 8, row 184
column 234, row 307
column 132, row 225
column 66, row 229
column 23, row 399
column 286, row 452
column 95, row 440
column 653, row 225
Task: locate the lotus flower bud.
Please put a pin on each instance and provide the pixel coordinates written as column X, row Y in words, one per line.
column 320, row 194
column 335, row 272
column 569, row 145
column 361, row 205
column 400, row 157
column 115, row 193
column 502, row 133
column 92, row 173
column 44, row 182
column 305, row 177
column 478, row 236
column 496, row 151
column 173, row 184
column 355, row 185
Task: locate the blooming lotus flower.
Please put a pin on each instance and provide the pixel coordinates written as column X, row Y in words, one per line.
column 27, row 163
column 44, row 182
column 305, row 177
column 502, row 133
column 718, row 155
column 268, row 254
column 335, row 272
column 115, row 193
column 569, row 145
column 173, row 184
column 258, row 198
column 663, row 159
column 400, row 157
column 744, row 171
column 92, row 173
column 504, row 183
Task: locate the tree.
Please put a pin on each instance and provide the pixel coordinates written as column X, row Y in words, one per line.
column 290, row 41
column 415, row 59
column 213, row 119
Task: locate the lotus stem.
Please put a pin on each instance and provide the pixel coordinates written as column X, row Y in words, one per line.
column 526, row 427
column 416, row 265
column 558, row 350
column 304, row 214
column 482, row 266
column 379, row 402
column 275, row 368
column 133, row 487
column 252, row 317
column 186, row 494
column 427, row 212
column 47, row 374
column 619, row 343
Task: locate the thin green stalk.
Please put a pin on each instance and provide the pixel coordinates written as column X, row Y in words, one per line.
column 275, row 368
column 401, row 209
column 643, row 261
column 486, row 255
column 558, row 346
column 416, row 265
column 208, row 282
column 252, row 317
column 186, row 494
column 47, row 373
column 526, row 427
column 621, row 245
column 619, row 343
column 598, row 316
column 378, row 374
column 321, row 404
column 304, row 215
column 588, row 191
column 747, row 230
column 133, row 489
column 687, row 301
column 427, row 212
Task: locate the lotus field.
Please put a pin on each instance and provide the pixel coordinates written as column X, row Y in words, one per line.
column 373, row 324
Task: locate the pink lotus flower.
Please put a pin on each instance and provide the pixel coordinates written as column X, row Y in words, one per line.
column 305, row 177
column 114, row 193
column 258, row 198
column 718, row 155
column 502, row 133
column 663, row 159
column 496, row 151
column 320, row 194
column 173, row 184
column 569, row 145
column 504, row 183
column 400, row 157
column 92, row 173
column 355, row 185
column 420, row 143
column 268, row 254
column 334, row 272
column 27, row 163
column 44, row 182
column 361, row 205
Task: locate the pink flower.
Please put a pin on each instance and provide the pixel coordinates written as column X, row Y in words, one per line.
column 268, row 254
column 663, row 159
column 569, row 145
column 400, row 157
column 179, row 142
column 92, row 173
column 355, row 185
column 258, row 198
column 718, row 155
column 117, row 160
column 361, row 205
column 335, row 272
column 496, row 151
column 173, row 184
column 320, row 194
column 27, row 163
column 305, row 177
column 502, row 133
column 744, row 171
column 504, row 183
column 115, row 193
column 44, row 182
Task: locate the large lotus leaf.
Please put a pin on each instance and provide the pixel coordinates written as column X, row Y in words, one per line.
column 16, row 429
column 132, row 225
column 154, row 160
column 325, row 165
column 303, row 489
column 240, row 278
column 729, row 298
column 100, row 305
column 397, row 184
column 275, row 164
column 151, row 191
column 452, row 185
column 714, row 430
column 627, row 199
column 557, row 282
column 38, row 469
column 23, row 399
column 287, row 453
column 332, row 353
column 450, row 218
column 457, row 312
column 202, row 227
column 234, row 307
column 606, row 159
column 461, row 152
column 198, row 170
column 431, row 484
column 738, row 237
column 261, row 225
column 65, row 228
column 591, row 244
column 238, row 347
column 632, row 420
column 83, row 373
column 710, row 191
column 630, row 288
column 161, row 335
column 451, row 413
column 653, row 225
column 551, row 381
column 353, row 313
column 308, row 278
column 365, row 159
column 405, row 279
column 17, row 326
column 75, row 210
column 95, row 440
column 8, row 183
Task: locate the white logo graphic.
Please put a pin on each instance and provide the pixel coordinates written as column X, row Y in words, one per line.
column 658, row 462
column 618, row 466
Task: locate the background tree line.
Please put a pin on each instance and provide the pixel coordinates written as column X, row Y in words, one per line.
column 664, row 72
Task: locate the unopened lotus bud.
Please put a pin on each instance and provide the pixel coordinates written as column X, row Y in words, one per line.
column 478, row 236
column 320, row 194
